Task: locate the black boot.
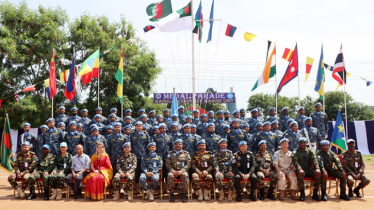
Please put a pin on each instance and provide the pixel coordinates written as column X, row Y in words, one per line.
column 350, row 192
column 239, row 196
column 46, row 193
column 323, row 195
column 315, row 195
column 270, row 194
column 262, row 193
column 184, row 197
column 344, row 196
column 357, row 192
column 172, row 199
column 302, row 195
column 252, row 196
column 79, row 193
column 32, row 194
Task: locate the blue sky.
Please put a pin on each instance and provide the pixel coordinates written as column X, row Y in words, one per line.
column 240, row 63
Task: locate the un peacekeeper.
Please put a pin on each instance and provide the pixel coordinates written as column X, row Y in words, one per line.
column 196, row 114
column 152, row 120
column 189, row 119
column 326, row 159
column 243, row 163
column 112, row 118
column 140, row 113
column 178, row 163
column 220, row 123
column 43, row 168
column 189, row 141
column 272, row 116
column 174, row 131
column 128, row 122
column 62, row 117
column 98, row 123
column 264, row 168
column 166, row 114
column 181, row 117
column 99, row 111
column 201, row 125
column 159, row 119
column 235, row 136
column 259, row 113
column 85, row 121
column 226, row 130
column 127, row 131
column 354, row 166
column 53, row 137
column 301, row 118
column 210, row 117
column 293, row 134
column 226, row 115
column 302, row 159
column 222, row 159
column 271, row 139
column 202, row 167
column 62, row 127
column 274, row 128
column 174, row 118
column 211, row 138
column 80, row 128
column 312, row 134
column 164, row 144
column 242, row 114
column 236, row 115
column 245, row 128
column 26, row 136
column 23, row 167
column 128, row 113
column 320, row 120
column 73, row 117
column 283, row 119
column 108, row 131
column 126, row 167
column 38, row 146
column 60, row 171
column 259, row 129
column 73, row 138
column 92, row 140
column 253, row 121
column 288, row 124
column 115, row 144
column 114, row 111
column 151, row 166
column 193, row 132
column 154, row 130
column 282, row 161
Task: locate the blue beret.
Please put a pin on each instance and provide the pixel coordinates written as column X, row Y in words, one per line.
column 289, row 120
column 26, row 143
column 143, row 115
column 114, row 115
column 187, row 125
column 61, row 107
column 155, row 127
column 285, row 108
column 174, row 115
column 162, row 125
column 193, row 126
column 128, row 110
column 178, row 141
column 226, row 112
column 84, row 110
column 272, row 108
column 259, row 123
column 242, row 109
column 196, row 110
column 220, row 112
column 350, row 140
column 151, row 144
column 259, row 109
column 275, row 121
column 254, row 110
column 127, row 126
column 159, row 116
column 50, row 119
column 138, row 123
column 152, row 111
column 72, row 122
column 244, row 125
column 181, row 107
column 203, row 115
column 141, row 110
column 61, row 123
column 174, row 124
column 63, row 144
column 99, row 109
column 26, row 124
column 79, row 124
column 92, row 125
column 324, row 142
column 202, row 141
column 235, row 120
column 266, row 123
column 222, row 140
column 242, row 143
column 261, row 142
column 117, row 124
column 300, row 108
column 127, row 144
column 308, row 118
column 113, row 110
column 302, row 139
column 74, row 108
column 165, row 110
column 43, row 126
column 294, row 122
column 226, row 126
column 189, row 117
column 283, row 140
column 318, row 103
column 236, row 112
column 210, row 124
column 127, row 117
column 46, row 146
column 210, row 112
column 94, row 128
column 98, row 115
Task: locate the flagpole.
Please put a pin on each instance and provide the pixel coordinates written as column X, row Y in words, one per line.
column 122, row 86
column 98, row 84
column 323, row 86
column 193, row 61
column 276, row 90
column 298, row 77
column 53, row 51
column 345, row 99
column 74, row 78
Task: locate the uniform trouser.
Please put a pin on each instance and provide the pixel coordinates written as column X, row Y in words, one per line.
column 164, row 169
column 138, row 170
column 252, row 178
column 114, row 162
column 364, row 181
column 12, row 179
column 196, row 185
column 336, row 174
column 282, row 182
column 184, row 179
column 154, row 179
column 261, row 177
column 308, row 173
column 57, row 178
column 75, row 186
column 36, row 176
column 224, row 176
column 129, row 179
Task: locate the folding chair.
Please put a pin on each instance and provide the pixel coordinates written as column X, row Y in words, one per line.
column 160, row 182
column 341, row 162
column 210, row 191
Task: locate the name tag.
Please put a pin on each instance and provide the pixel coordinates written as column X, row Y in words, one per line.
column 247, row 165
column 130, row 165
column 182, row 164
column 64, row 165
column 206, row 164
column 241, row 135
column 54, row 133
column 26, row 164
column 144, row 137
column 356, row 164
column 154, row 164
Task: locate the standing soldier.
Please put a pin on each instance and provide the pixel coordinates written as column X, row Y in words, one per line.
column 282, row 161
column 61, row 170
column 320, row 120
column 264, row 169
column 235, row 136
column 301, row 118
column 40, row 141
column 112, row 118
column 114, row 111
column 271, row 139
column 92, row 140
column 43, row 168
column 73, row 138
column 226, row 115
column 152, row 120
column 253, row 121
column 259, row 111
column 274, row 128
column 108, row 131
column 99, row 111
column 302, row 159
column 147, row 127
column 26, row 136
column 128, row 113
column 178, row 163
column 283, row 119
column 126, row 167
column 210, row 116
column 196, row 114
column 115, row 144
column 293, row 135
column 97, row 121
column 62, row 127
column 193, row 132
column 312, row 134
column 222, row 166
column 211, row 138
column 127, row 122
column 74, row 117
column 272, row 117
column 326, row 159
column 166, row 114
column 202, row 167
column 220, row 123
column 181, row 116
column 201, row 125
column 226, row 130
column 189, row 141
column 53, row 137
column 242, row 114
column 23, row 167
column 174, row 131
column 151, row 166
column 355, row 167
column 164, row 144
column 62, row 117
column 85, row 121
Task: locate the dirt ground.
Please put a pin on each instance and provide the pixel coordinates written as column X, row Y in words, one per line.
column 7, row 201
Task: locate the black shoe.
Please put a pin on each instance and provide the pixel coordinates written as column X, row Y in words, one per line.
column 76, row 196
column 344, row 196
column 172, row 199
column 302, row 195
column 252, row 196
column 315, row 195
column 270, row 194
column 239, row 196
column 79, row 194
column 350, row 192
column 262, row 193
column 32, row 194
column 184, row 197
column 323, row 195
column 357, row 192
column 46, row 193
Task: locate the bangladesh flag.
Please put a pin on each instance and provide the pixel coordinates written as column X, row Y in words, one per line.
column 6, row 154
column 159, row 10
column 177, row 21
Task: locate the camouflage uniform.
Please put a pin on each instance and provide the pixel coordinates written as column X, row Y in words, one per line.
column 43, row 164
column 72, row 140
column 152, row 122
column 233, row 139
column 53, row 138
column 163, row 144
column 195, row 121
column 178, row 162
column 250, row 142
column 38, row 146
column 293, row 140
column 124, row 124
column 175, row 136
column 284, row 162
column 139, row 142
column 264, row 161
column 201, row 128
column 252, row 125
column 169, row 128
column 150, row 164
column 62, row 164
column 75, row 118
column 61, row 118
column 300, row 121
column 283, row 122
column 354, row 164
column 321, row 122
column 182, row 119
column 30, row 138
column 101, row 128
column 279, row 133
column 125, row 164
column 211, row 141
column 91, row 142
column 23, row 164
column 219, row 127
column 200, row 163
column 314, row 136
column 271, row 119
column 326, row 162
column 272, row 141
column 189, row 143
column 115, row 147
column 85, row 125
column 222, row 163
column 303, row 160
column 148, row 128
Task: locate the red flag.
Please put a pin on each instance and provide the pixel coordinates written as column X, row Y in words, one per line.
column 1, row 101
column 31, row 88
column 287, row 54
column 291, row 72
column 52, row 77
column 16, row 95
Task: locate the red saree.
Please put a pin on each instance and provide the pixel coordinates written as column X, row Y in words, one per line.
column 95, row 182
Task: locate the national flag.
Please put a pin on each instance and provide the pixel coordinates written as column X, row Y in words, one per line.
column 64, row 76
column 90, row 68
column 1, row 101
column 199, row 24
column 320, row 76
column 148, row 28
column 177, row 21
column 101, row 54
column 6, row 155
column 70, row 91
column 269, row 71
column 52, row 77
column 287, row 54
column 338, row 137
column 31, row 88
column 348, row 74
column 119, row 78
column 47, row 89
column 339, row 68
column 367, row 84
column 249, row 36
column 174, row 107
column 159, row 10
column 267, row 52
column 291, row 72
column 309, row 63
column 230, row 30
column 328, row 67
column 211, row 17
column 16, row 96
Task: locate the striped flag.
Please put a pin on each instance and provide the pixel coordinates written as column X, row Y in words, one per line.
column 199, row 24
column 269, row 71
column 338, row 134
column 64, row 76
column 52, row 77
column 230, row 30
column 16, row 96
column 309, row 63
column 119, row 78
column 328, row 67
column 339, row 68
column 287, row 55
column 320, row 76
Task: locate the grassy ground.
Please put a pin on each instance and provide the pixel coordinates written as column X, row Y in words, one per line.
column 368, row 159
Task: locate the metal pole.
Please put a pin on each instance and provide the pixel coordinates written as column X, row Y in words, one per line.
column 166, row 105
column 98, row 86
column 193, row 62
column 122, row 86
column 53, row 53
column 345, row 99
column 298, row 80
column 276, row 90
column 74, row 79
column 323, row 87
column 222, row 84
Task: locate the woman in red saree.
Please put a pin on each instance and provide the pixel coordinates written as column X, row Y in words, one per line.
column 101, row 173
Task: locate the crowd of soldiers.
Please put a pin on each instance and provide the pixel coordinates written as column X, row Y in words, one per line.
column 222, row 150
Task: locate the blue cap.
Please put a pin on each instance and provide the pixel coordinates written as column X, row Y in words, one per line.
column 203, row 115
column 43, row 126
column 174, row 115
column 127, row 144
column 174, row 124
column 113, row 110
column 210, row 112
column 84, row 110
column 261, row 142
column 141, row 110
column 138, row 123
column 272, row 108
column 300, row 108
column 46, row 146
column 26, row 143
column 283, row 140
column 193, row 126
column 165, row 110
column 127, row 117
column 79, row 124
column 294, row 123
column 222, row 140
column 350, row 140
column 72, row 122
column 61, row 123
column 236, row 112
column 162, row 125
column 143, row 115
column 258, row 109
column 308, row 118
column 63, row 144
column 127, row 126
column 117, row 124
column 26, row 124
column 202, row 141
column 266, row 123
column 74, row 108
column 244, row 125
column 181, row 107
column 196, row 110
column 112, row 115
column 242, row 109
column 285, row 108
column 94, row 128
column 289, row 120
column 155, row 127
column 92, row 125
column 302, row 139
column 50, row 119
column 98, row 115
column 159, row 116
column 275, row 122
column 318, row 103
column 99, row 109
column 210, row 124
column 324, row 142
column 61, row 107
column 242, row 143
column 178, row 141
column 259, row 123
column 226, row 126
column 226, row 112
column 235, row 120
column 189, row 117
column 151, row 144
column 128, row 110
column 220, row 112
column 254, row 110
column 187, row 125
column 152, row 111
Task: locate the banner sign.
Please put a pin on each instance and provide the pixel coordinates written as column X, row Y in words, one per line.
column 162, row 98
